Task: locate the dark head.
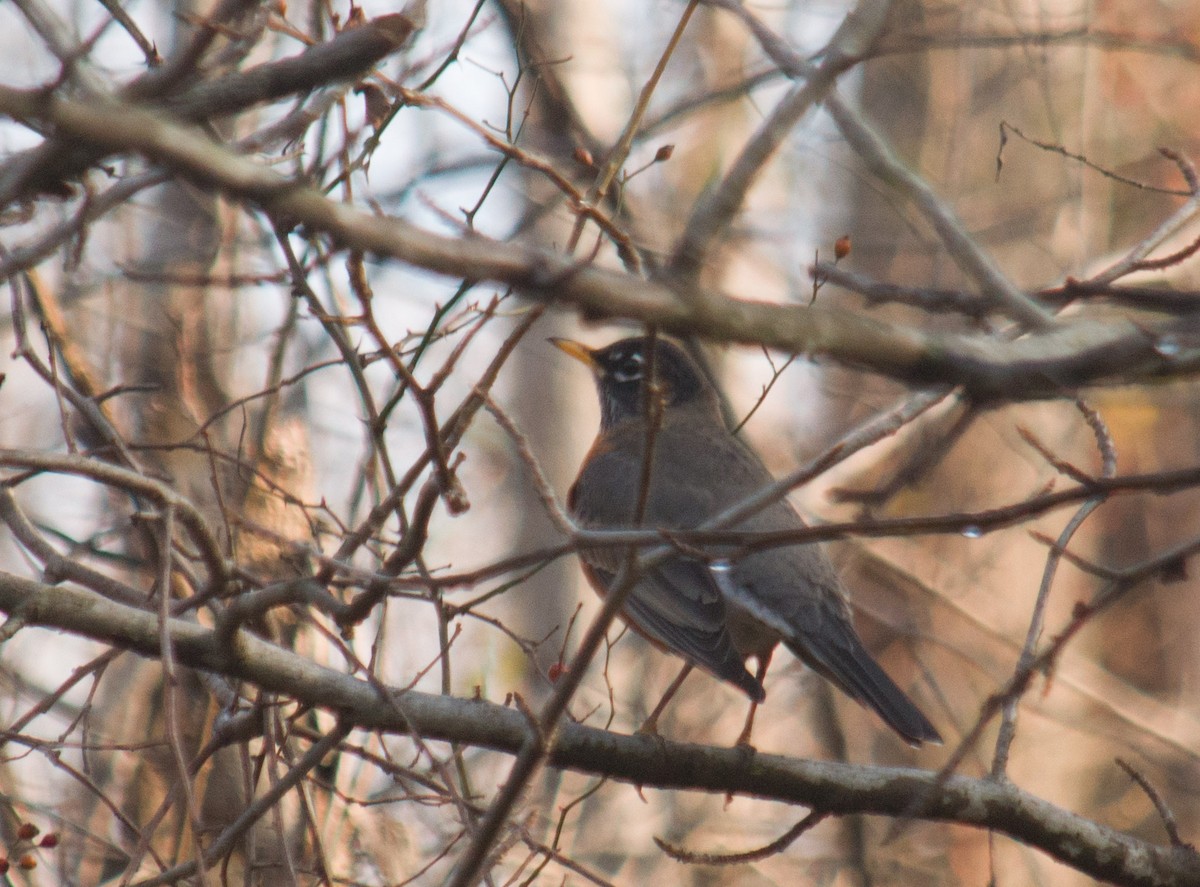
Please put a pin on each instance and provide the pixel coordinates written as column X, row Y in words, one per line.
column 623, row 368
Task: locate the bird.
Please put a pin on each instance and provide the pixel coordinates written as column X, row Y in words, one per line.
column 714, row 612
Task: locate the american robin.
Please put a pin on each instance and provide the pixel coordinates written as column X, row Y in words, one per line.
column 715, row 614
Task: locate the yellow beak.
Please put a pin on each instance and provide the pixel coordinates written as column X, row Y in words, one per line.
column 577, row 350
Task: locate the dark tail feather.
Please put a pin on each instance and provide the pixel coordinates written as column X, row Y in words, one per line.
column 846, row 663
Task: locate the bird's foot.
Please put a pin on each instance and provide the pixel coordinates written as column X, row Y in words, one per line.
column 743, row 740
column 649, row 727
column 650, row 731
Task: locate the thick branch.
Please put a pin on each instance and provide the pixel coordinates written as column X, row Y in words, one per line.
column 347, row 56
column 1090, row 847
column 1046, row 363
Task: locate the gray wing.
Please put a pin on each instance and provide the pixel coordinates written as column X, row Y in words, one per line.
column 677, row 606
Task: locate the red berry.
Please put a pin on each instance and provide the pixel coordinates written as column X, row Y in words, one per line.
column 27, row 831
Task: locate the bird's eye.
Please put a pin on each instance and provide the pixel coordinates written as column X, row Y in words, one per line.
column 629, row 369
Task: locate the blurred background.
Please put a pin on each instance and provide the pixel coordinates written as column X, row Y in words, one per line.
column 248, row 367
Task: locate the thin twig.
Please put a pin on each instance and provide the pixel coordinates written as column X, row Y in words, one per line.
column 1164, row 812
column 777, row 846
column 541, row 484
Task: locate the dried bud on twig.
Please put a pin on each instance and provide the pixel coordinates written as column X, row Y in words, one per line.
column 377, row 104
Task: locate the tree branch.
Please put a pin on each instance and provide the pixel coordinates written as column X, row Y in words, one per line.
column 348, row 55
column 842, row 789
column 1047, row 363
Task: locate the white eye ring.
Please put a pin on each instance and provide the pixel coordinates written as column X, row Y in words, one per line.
column 630, row 368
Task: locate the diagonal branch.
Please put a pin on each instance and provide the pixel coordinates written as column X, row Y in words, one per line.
column 1046, row 363
column 888, row 168
column 714, row 212
column 350, row 54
